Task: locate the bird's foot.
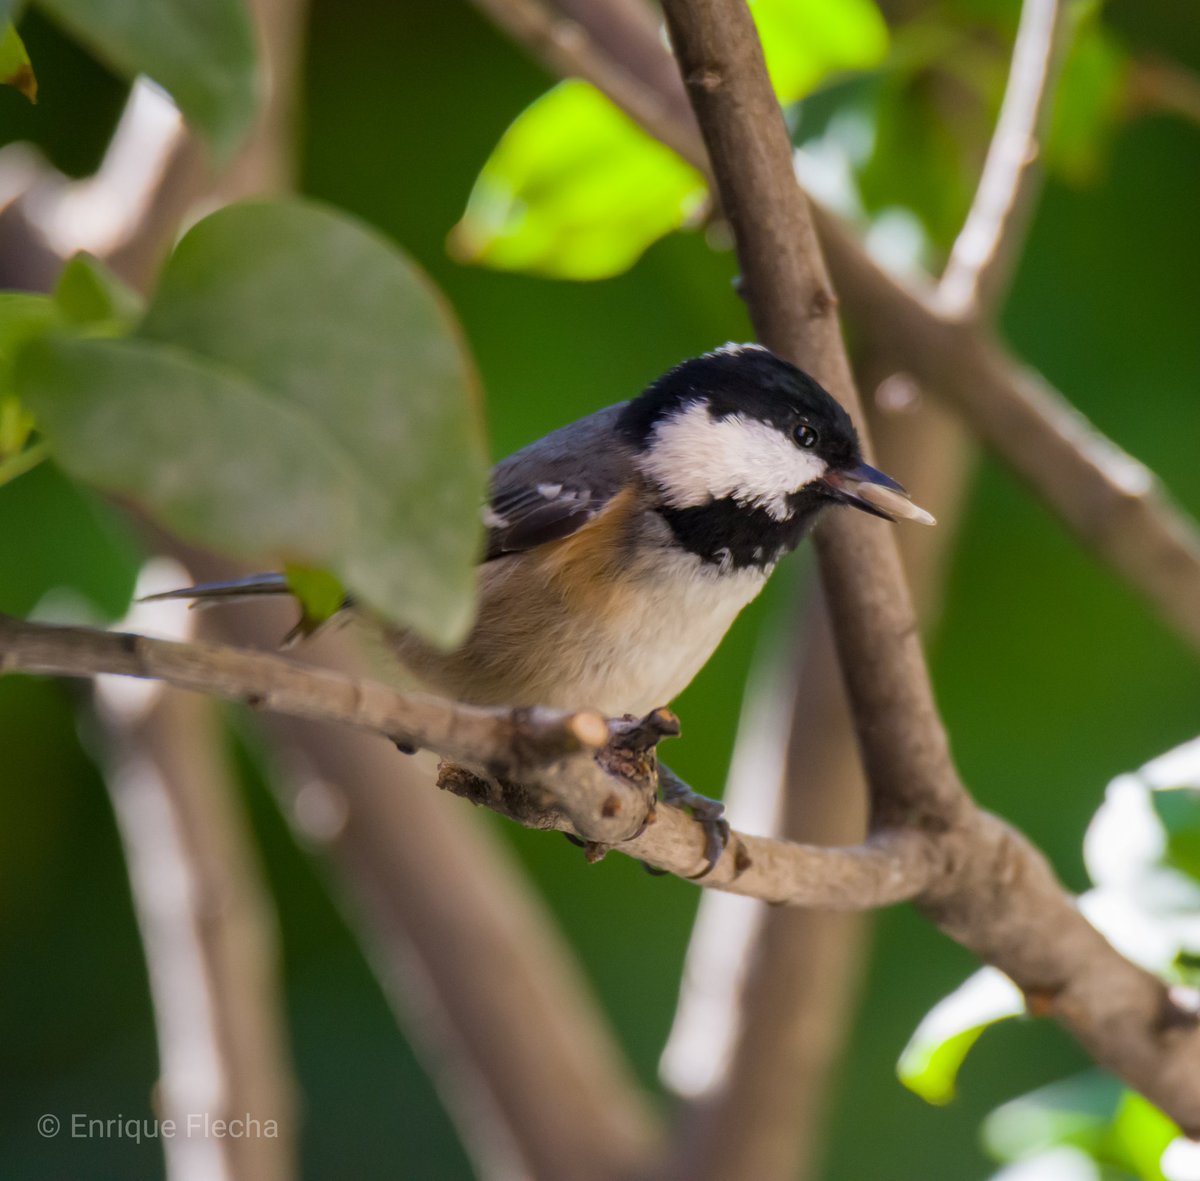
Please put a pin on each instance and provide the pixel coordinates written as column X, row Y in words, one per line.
column 709, row 814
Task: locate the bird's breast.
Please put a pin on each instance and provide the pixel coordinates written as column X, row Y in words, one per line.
column 615, row 617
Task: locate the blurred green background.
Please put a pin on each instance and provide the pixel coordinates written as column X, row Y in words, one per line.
column 1052, row 677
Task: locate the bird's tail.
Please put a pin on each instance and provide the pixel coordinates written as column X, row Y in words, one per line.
column 237, row 588
column 212, row 594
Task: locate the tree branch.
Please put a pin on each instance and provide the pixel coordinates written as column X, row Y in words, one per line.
column 541, row 745
column 765, row 1119
column 465, row 952
column 210, row 938
column 1110, row 501
column 998, row 902
column 461, row 942
column 986, row 247
column 983, row 883
column 551, row 751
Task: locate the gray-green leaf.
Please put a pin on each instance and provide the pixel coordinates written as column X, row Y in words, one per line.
column 297, row 393
column 202, row 52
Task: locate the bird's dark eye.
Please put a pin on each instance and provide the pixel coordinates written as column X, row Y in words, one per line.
column 805, row 436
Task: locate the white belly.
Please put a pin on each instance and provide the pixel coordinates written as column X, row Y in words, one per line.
column 632, row 649
column 645, row 656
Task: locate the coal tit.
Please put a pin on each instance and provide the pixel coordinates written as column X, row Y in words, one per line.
column 620, row 548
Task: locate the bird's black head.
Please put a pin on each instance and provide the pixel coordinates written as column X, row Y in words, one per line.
column 743, row 451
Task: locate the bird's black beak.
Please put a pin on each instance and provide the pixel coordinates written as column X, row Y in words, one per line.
column 873, row 492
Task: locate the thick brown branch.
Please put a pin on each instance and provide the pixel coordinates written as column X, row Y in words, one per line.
column 983, row 883
column 1108, row 499
column 891, row 867
column 541, row 746
column 1003, row 902
column 793, row 309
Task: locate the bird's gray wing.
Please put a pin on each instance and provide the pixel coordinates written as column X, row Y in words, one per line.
column 553, row 487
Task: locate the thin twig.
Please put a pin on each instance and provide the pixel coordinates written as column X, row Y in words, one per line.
column 563, row 45
column 533, row 743
column 1038, row 939
column 1160, row 84
column 1109, row 501
column 986, row 247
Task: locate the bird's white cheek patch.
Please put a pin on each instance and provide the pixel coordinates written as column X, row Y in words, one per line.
column 695, row 458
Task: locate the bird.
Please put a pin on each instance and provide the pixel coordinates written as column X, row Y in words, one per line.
column 621, row 547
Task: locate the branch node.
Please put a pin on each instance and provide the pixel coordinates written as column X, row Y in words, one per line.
column 742, row 860
column 1041, row 1002
column 706, row 78
column 595, row 851
column 1179, row 1010
column 590, row 728
column 824, row 303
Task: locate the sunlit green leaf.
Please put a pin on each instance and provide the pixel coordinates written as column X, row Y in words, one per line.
column 202, row 52
column 574, row 190
column 297, row 392
column 930, row 1063
column 16, row 69
column 1139, row 1136
column 805, row 41
column 1092, row 1113
column 89, row 295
